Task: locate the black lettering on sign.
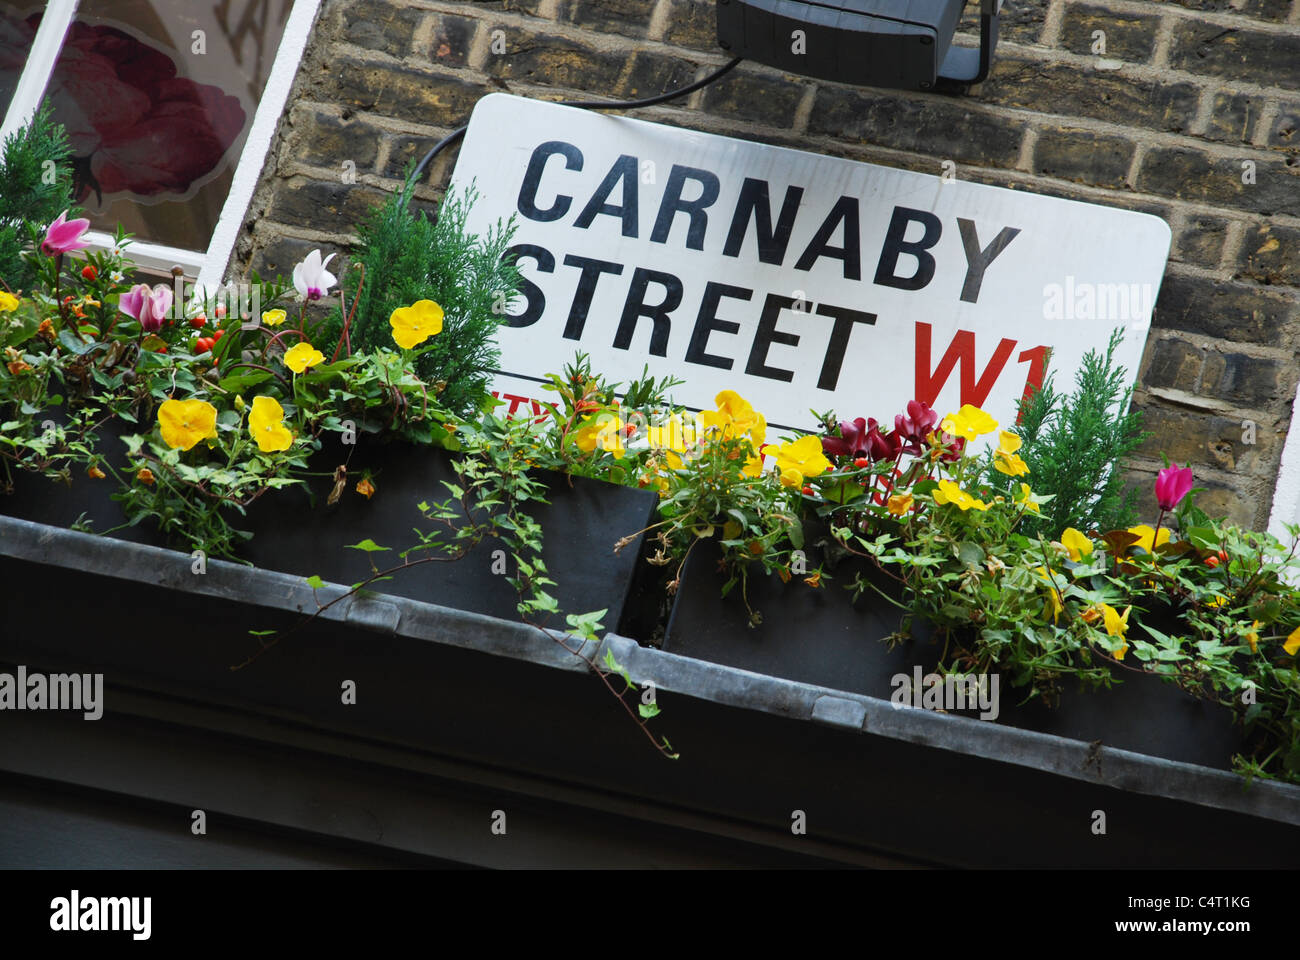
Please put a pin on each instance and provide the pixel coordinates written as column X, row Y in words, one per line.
column 673, row 204
column 591, row 271
column 754, row 204
column 844, row 212
column 636, row 307
column 533, row 177
column 839, row 342
column 531, row 291
column 707, row 321
column 766, row 335
column 977, row 260
column 886, row 270
column 624, row 171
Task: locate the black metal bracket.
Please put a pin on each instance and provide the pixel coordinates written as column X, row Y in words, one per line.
column 967, row 65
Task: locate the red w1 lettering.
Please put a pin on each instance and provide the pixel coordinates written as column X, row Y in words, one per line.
column 930, row 380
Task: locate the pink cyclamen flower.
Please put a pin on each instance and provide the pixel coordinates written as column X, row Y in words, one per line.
column 311, row 279
column 148, row 305
column 1172, row 484
column 64, row 235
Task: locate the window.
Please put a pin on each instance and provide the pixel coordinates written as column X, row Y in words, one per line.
column 170, row 107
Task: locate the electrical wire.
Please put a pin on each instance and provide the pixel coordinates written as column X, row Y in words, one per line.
column 459, row 132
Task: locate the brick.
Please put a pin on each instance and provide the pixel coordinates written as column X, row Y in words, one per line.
column 403, row 93
column 763, row 97
column 1216, row 51
column 1073, row 154
column 692, row 23
column 1275, row 10
column 402, row 149
column 1108, row 95
column 319, row 205
column 1051, row 188
column 1231, row 501
column 651, row 74
column 532, row 8
column 1241, row 379
column 1286, row 128
column 1271, row 254
column 1188, row 174
column 1200, row 242
column 1127, row 36
column 553, row 60
column 1243, row 313
column 1174, row 364
column 1233, row 117
column 1205, row 439
column 377, row 25
column 937, row 127
column 452, row 39
column 1021, row 22
column 276, row 256
column 631, row 18
column 323, row 140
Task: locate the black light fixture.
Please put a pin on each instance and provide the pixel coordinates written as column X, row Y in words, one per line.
column 899, row 44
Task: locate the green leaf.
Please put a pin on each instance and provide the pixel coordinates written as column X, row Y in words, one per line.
column 315, row 582
column 648, row 710
column 261, row 633
column 368, row 545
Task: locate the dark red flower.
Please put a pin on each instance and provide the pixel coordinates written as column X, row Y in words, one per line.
column 916, row 425
column 852, row 441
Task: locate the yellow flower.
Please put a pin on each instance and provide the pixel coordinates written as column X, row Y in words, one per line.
column 900, row 503
column 415, row 324
column 969, row 422
column 1216, row 602
column 301, row 356
column 1078, row 544
column 1253, row 637
column 1010, row 464
column 802, row 457
column 1053, row 604
column 1292, row 642
column 736, row 417
column 1116, row 626
column 1025, row 498
column 604, row 431
column 273, row 318
column 949, row 492
column 95, row 473
column 239, row 403
column 266, row 425
column 145, row 476
column 8, row 302
column 1144, row 535
column 365, row 487
column 183, row 423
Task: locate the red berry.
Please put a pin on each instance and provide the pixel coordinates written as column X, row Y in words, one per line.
column 199, row 322
column 221, row 311
column 1212, row 561
column 89, row 272
column 204, row 344
column 861, row 462
column 1223, row 556
column 218, row 335
column 807, row 490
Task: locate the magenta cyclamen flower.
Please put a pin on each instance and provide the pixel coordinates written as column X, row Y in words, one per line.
column 147, row 305
column 1172, row 484
column 852, row 441
column 64, row 235
column 918, row 424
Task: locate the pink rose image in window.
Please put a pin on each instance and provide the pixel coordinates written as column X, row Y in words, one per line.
column 136, row 126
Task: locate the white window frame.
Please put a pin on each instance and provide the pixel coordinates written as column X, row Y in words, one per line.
column 208, row 266
column 1286, row 492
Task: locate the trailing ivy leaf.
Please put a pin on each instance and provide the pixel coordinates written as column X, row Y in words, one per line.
column 648, row 710
column 315, row 582
column 368, row 545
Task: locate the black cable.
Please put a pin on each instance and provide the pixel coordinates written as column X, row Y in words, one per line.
column 459, row 132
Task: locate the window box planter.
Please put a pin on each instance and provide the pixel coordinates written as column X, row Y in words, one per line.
column 445, row 730
column 295, row 531
column 817, row 636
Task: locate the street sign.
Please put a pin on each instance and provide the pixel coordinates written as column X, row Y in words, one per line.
column 803, row 282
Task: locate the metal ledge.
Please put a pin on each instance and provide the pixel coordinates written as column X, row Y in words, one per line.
column 721, row 685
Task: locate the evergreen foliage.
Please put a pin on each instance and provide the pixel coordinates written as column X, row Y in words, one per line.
column 1074, row 446
column 32, row 191
column 407, row 257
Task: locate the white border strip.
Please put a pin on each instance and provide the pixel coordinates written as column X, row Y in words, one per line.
column 258, row 145
column 1286, row 493
column 152, row 256
column 40, row 64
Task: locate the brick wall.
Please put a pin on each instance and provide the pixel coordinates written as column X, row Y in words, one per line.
column 1162, row 121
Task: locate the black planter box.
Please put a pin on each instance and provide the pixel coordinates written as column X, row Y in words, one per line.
column 295, row 531
column 815, row 635
column 458, row 715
